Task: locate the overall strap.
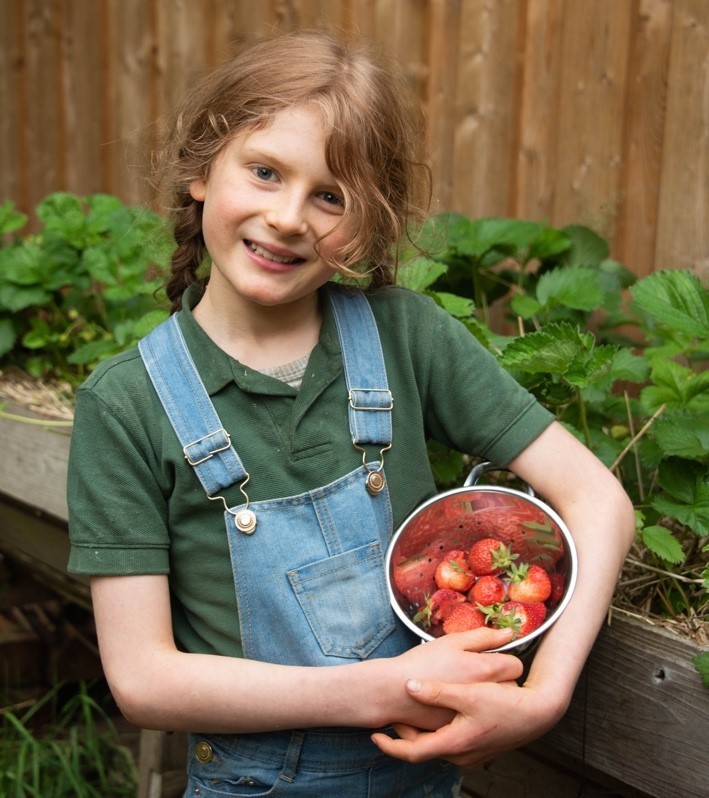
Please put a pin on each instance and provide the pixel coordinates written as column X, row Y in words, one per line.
column 370, row 400
column 206, row 444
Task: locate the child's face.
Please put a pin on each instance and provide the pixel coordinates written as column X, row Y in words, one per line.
column 268, row 198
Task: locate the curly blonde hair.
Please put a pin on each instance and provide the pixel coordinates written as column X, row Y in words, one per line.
column 373, row 145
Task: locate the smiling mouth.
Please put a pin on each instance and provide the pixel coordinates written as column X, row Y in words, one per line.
column 264, row 253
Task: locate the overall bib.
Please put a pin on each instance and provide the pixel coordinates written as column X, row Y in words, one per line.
column 309, row 578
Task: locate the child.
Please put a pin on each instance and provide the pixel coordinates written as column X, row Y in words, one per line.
column 234, row 482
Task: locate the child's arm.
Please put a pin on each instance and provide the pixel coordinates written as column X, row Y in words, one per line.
column 493, row 718
column 158, row 687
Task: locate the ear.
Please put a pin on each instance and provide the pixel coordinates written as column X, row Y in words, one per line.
column 198, row 189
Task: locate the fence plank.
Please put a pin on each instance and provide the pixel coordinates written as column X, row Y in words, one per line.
column 486, row 108
column 12, row 96
column 43, row 123
column 83, row 39
column 683, row 237
column 636, row 231
column 594, row 66
column 550, row 109
column 540, row 133
column 130, row 100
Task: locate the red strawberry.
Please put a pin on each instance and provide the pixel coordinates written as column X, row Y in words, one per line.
column 463, row 618
column 528, row 583
column 525, row 528
column 413, row 578
column 523, row 618
column 558, row 587
column 453, row 573
column 438, row 607
column 488, row 590
column 489, row 556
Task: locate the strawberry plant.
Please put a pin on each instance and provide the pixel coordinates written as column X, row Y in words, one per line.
column 622, row 364
column 81, row 288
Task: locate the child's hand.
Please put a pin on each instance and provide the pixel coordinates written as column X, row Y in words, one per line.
column 489, row 719
column 453, row 658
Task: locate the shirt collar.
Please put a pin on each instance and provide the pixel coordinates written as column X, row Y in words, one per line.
column 217, row 369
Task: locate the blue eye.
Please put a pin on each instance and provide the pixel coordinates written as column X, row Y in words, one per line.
column 264, row 173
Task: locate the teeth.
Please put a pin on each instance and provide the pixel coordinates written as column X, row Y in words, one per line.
column 269, row 255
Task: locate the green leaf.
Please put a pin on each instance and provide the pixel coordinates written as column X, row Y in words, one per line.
column 682, row 435
column 474, row 238
column 590, row 368
column 662, row 543
column 630, row 367
column 551, row 350
column 686, row 497
column 459, row 307
column 701, row 664
column 548, row 243
column 575, row 288
column 10, row 219
column 92, row 352
column 63, row 215
column 7, row 336
column 15, row 298
column 420, row 273
column 525, row 306
column 587, row 247
column 676, row 386
column 675, row 299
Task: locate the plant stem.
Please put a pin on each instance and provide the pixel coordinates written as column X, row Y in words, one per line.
column 583, row 418
column 637, row 437
column 37, row 421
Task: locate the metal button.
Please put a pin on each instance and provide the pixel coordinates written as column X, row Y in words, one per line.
column 203, row 752
column 375, row 482
column 246, row 522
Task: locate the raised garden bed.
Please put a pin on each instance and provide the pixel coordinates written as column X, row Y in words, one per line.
column 640, row 713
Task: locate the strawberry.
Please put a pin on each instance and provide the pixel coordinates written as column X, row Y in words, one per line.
column 528, row 583
column 453, row 572
column 488, row 590
column 489, row 556
column 438, row 607
column 463, row 618
column 523, row 618
column 558, row 587
column 413, row 578
column 524, row 528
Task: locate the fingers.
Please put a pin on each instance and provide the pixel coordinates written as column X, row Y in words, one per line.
column 483, row 639
column 414, row 745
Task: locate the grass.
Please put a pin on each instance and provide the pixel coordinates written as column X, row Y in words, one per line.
column 64, row 748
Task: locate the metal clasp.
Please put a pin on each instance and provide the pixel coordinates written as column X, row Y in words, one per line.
column 353, row 398
column 376, row 481
column 245, row 520
column 222, row 447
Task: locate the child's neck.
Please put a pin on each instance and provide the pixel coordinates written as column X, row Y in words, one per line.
column 263, row 337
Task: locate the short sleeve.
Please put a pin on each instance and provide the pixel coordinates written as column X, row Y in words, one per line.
column 117, row 512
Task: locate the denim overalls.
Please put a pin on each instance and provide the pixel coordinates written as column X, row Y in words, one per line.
column 309, row 578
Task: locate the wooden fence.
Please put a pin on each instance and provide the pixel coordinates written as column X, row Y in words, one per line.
column 590, row 111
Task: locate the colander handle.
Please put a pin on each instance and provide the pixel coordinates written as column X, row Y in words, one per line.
column 485, row 468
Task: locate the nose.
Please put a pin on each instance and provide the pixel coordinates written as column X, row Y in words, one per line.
column 287, row 213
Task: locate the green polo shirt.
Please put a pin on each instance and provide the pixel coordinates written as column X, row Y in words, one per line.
column 136, row 507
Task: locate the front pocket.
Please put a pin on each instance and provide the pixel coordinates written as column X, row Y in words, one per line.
column 344, row 599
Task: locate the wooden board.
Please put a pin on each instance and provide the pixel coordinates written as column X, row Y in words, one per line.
column 34, row 462
column 640, row 712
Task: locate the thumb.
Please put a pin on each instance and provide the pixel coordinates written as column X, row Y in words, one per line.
column 434, row 693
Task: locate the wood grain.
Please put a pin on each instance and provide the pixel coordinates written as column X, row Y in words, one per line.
column 640, row 712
